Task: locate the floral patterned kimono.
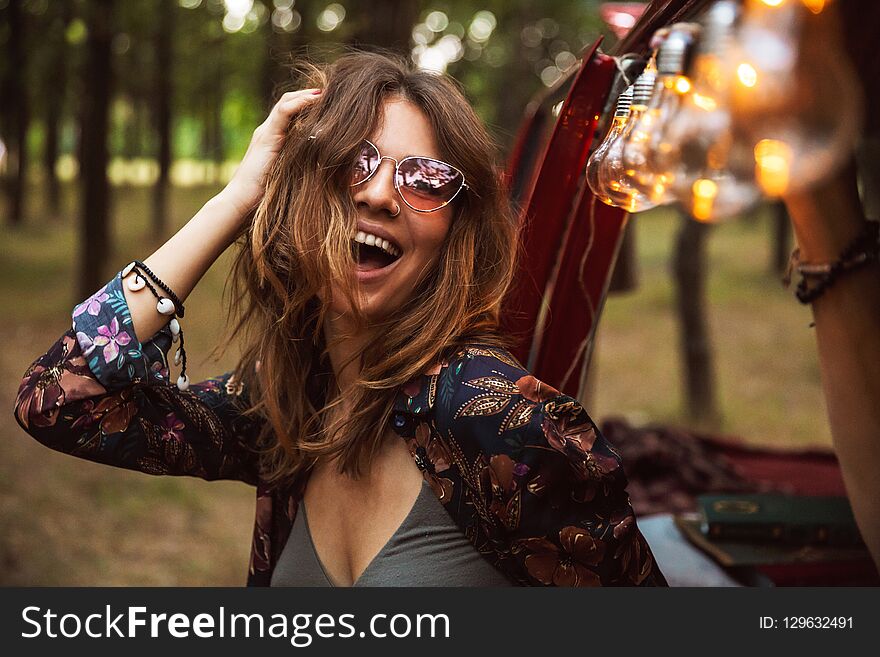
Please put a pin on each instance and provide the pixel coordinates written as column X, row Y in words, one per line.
column 522, row 469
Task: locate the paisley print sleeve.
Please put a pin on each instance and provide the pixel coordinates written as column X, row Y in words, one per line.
column 101, row 394
column 548, row 490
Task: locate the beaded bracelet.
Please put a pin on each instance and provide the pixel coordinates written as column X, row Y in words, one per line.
column 862, row 251
column 169, row 305
column 178, row 305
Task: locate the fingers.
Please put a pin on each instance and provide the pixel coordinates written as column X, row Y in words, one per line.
column 292, row 101
column 296, row 94
column 287, row 106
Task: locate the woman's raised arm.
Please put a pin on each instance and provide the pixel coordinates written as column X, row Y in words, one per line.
column 102, row 390
column 183, row 260
column 847, row 317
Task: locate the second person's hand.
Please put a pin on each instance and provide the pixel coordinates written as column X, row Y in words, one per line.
column 247, row 185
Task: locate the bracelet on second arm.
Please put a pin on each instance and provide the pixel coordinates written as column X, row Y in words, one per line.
column 816, row 278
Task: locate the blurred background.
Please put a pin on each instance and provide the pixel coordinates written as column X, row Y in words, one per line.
column 163, row 95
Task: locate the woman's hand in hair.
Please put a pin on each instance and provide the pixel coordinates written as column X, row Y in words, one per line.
column 247, row 186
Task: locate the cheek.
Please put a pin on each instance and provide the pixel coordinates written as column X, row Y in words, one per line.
column 431, row 236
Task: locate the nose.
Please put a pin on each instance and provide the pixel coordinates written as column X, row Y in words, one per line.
column 378, row 193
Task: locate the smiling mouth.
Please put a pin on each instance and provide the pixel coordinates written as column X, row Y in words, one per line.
column 370, row 257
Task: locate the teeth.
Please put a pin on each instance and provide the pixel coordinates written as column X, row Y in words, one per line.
column 373, row 240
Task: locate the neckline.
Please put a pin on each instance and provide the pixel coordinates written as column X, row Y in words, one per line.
column 302, row 504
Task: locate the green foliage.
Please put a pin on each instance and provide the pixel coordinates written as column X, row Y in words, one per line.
column 224, row 69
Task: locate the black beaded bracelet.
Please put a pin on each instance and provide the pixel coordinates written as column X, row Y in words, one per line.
column 178, row 305
column 174, row 326
column 862, row 251
column 142, row 276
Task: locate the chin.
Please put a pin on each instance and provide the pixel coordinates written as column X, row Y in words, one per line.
column 375, row 308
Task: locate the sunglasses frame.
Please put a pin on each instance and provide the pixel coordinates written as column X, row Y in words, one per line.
column 397, row 164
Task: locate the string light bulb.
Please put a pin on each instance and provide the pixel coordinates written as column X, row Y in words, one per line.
column 646, row 136
column 618, row 122
column 696, row 147
column 790, row 63
column 614, row 181
column 606, row 174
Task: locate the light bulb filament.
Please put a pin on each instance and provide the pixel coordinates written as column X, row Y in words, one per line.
column 706, row 103
column 747, row 75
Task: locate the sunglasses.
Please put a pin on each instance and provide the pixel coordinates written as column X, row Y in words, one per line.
column 424, row 184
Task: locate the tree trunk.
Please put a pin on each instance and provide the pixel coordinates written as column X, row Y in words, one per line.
column 212, row 135
column 624, row 276
column 207, row 118
column 50, row 154
column 213, row 147
column 385, row 23
column 781, row 239
column 55, row 108
column 131, row 130
column 94, row 238
column 276, row 73
column 696, row 344
column 18, row 113
column 218, row 143
column 510, row 98
column 163, row 76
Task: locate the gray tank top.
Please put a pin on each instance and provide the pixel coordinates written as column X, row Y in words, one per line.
column 428, row 549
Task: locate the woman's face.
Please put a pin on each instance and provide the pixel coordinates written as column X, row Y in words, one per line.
column 418, row 236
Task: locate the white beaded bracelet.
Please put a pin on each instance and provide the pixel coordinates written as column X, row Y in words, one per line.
column 165, row 306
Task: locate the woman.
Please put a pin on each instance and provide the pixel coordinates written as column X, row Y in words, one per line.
column 368, row 285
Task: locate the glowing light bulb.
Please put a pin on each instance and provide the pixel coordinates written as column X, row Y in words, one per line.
column 696, row 147
column 614, row 179
column 773, row 166
column 621, row 114
column 815, row 6
column 802, row 106
column 704, row 193
column 644, row 139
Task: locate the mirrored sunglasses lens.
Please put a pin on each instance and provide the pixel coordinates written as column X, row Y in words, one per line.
column 428, row 184
column 365, row 164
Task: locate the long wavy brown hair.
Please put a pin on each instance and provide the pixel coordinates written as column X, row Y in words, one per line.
column 299, row 243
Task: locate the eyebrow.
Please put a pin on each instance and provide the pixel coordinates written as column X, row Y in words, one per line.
column 383, row 153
